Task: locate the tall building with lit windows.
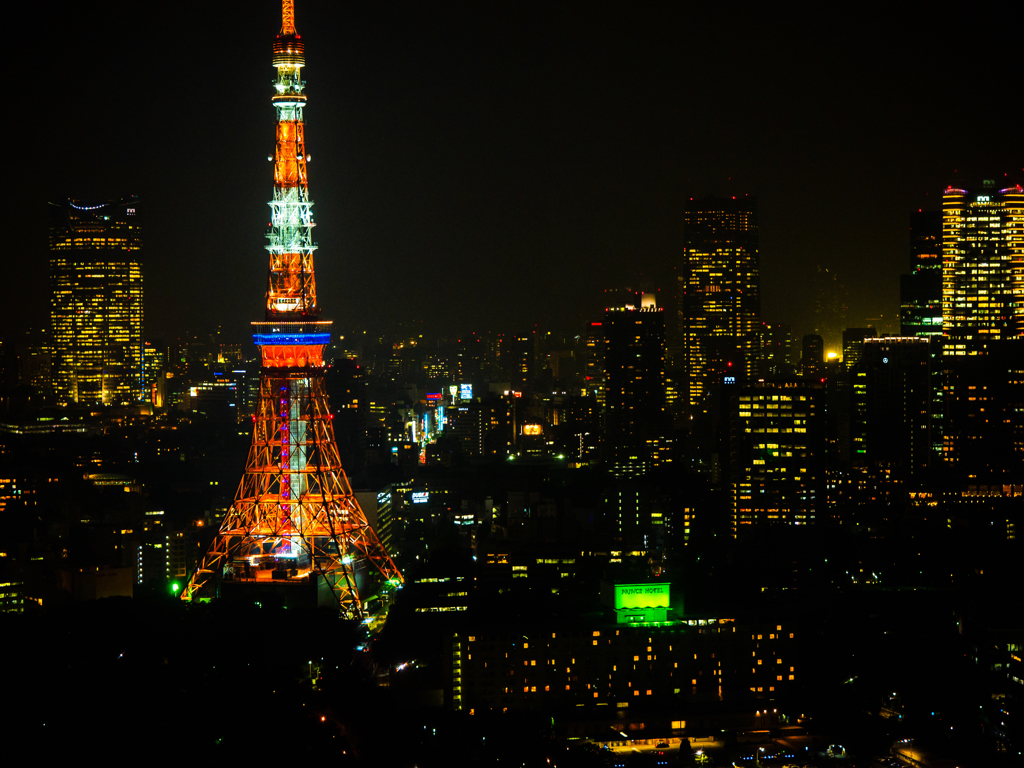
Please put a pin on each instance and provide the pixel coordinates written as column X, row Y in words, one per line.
column 776, row 453
column 96, row 301
column 719, row 293
column 982, row 268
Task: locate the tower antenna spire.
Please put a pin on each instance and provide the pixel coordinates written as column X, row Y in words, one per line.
column 287, row 17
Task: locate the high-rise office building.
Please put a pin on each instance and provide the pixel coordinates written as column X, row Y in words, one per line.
column 921, row 289
column 96, row 305
column 982, row 268
column 776, row 453
column 637, row 426
column 719, row 292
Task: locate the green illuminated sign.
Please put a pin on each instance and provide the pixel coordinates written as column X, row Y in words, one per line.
column 636, row 596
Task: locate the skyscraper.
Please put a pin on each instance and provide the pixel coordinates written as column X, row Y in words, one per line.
column 921, row 290
column 96, row 305
column 719, row 292
column 776, row 453
column 982, row 268
column 637, row 425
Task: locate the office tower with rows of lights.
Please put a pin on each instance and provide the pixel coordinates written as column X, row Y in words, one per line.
column 637, row 426
column 776, row 453
column 982, row 268
column 96, row 301
column 719, row 292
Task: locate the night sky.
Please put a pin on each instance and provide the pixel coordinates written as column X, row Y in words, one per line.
column 498, row 165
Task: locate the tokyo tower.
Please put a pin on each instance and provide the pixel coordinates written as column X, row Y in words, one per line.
column 294, row 520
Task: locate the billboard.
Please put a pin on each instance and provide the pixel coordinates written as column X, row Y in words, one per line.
column 634, row 596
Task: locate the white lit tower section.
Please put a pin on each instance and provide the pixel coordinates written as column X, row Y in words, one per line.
column 291, row 289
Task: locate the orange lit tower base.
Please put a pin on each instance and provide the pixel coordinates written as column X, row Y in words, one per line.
column 294, row 519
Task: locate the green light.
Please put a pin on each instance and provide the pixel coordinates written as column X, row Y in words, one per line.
column 175, row 586
column 642, row 595
column 641, row 604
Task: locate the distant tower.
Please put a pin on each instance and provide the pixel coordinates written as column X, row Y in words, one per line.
column 853, row 344
column 294, row 520
column 812, row 359
column 921, row 289
column 982, row 268
column 96, row 304
column 719, row 292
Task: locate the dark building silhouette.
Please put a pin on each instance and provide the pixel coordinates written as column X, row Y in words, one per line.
column 344, row 380
column 983, row 430
column 853, row 344
column 776, row 349
column 812, row 358
column 921, row 289
column 892, row 389
column 636, row 424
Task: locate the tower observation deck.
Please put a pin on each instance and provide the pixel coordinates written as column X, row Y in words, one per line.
column 295, row 523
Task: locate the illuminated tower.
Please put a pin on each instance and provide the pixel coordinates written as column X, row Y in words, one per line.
column 982, row 268
column 294, row 520
column 96, row 303
column 719, row 293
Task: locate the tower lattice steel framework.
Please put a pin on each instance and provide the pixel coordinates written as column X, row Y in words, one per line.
column 294, row 518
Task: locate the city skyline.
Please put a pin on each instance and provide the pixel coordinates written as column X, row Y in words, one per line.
column 561, row 148
column 615, row 524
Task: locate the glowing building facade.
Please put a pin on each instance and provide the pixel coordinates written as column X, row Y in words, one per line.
column 719, row 292
column 295, row 526
column 982, row 268
column 96, row 301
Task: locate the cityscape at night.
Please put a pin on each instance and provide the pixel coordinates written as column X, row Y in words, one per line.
column 514, row 384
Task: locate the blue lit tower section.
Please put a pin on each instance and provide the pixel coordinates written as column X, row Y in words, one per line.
column 294, row 519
